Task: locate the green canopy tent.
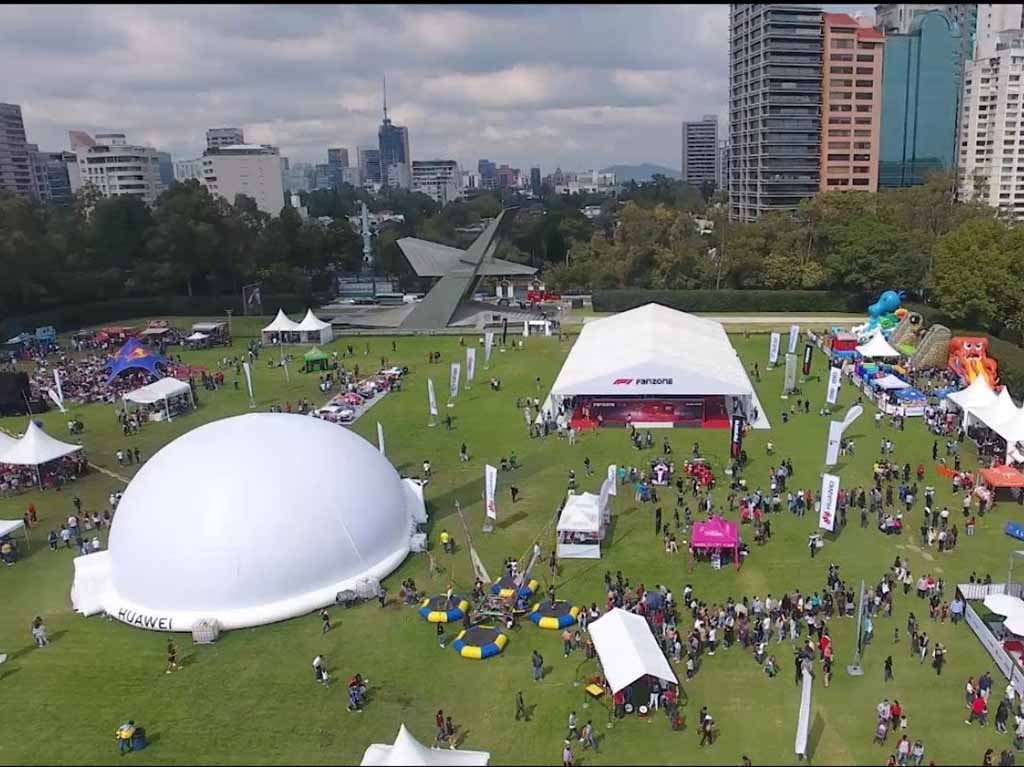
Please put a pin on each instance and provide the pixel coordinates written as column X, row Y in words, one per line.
column 316, row 359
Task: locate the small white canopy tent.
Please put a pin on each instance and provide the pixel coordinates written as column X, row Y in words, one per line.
column 282, row 330
column 628, row 650
column 890, row 382
column 197, row 336
column 877, row 348
column 314, row 330
column 406, row 751
column 580, row 527
column 161, row 391
column 978, row 394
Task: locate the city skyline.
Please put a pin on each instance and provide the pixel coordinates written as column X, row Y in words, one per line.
column 457, row 78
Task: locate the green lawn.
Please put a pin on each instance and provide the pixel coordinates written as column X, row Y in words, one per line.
column 250, row 698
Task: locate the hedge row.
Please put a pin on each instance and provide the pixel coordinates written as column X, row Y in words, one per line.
column 65, row 318
column 730, row 300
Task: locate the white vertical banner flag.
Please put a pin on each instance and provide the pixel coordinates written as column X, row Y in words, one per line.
column 60, row 387
column 491, row 484
column 57, row 400
column 828, row 498
column 794, row 336
column 790, row 383
column 431, row 399
column 613, row 475
column 547, row 328
column 803, row 721
column 526, row 329
column 773, row 348
column 470, row 365
column 488, row 345
column 835, row 378
column 380, row 438
column 835, row 434
column 248, row 382
column 453, row 384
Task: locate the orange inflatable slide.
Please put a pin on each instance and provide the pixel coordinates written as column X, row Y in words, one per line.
column 968, row 358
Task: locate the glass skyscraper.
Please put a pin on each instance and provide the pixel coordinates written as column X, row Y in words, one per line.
column 920, row 98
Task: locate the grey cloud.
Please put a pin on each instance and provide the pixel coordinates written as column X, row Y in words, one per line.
column 579, row 86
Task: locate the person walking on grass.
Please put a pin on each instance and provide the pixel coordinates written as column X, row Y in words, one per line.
column 887, row 670
column 587, row 737
column 567, row 760
column 521, row 707
column 39, row 632
column 537, row 660
column 172, row 657
column 325, row 620
column 441, row 735
column 463, row 453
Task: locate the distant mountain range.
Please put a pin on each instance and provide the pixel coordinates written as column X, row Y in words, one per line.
column 642, row 172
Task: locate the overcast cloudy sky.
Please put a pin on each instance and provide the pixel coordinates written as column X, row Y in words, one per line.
column 576, row 86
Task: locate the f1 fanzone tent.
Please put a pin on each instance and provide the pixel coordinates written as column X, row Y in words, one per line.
column 653, row 351
column 406, row 750
column 628, row 650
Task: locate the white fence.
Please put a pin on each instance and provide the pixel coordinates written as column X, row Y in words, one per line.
column 1009, row 668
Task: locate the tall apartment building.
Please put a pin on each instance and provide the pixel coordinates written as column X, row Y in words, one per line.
column 250, row 169
column 187, row 169
column 991, row 171
column 898, row 18
column 535, row 180
column 218, row 137
column 115, row 167
column 993, row 20
column 722, row 182
column 700, row 151
column 488, row 174
column 369, row 165
column 851, row 105
column 52, row 178
column 920, row 101
column 393, row 141
column 337, row 161
column 16, row 169
column 775, row 71
column 166, row 168
column 439, row 179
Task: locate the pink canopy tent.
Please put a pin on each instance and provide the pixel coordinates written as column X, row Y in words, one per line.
column 716, row 533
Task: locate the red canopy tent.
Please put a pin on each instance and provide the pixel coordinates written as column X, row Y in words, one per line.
column 716, row 533
column 1002, row 476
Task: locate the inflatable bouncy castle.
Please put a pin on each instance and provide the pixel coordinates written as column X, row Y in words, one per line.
column 968, row 358
column 884, row 315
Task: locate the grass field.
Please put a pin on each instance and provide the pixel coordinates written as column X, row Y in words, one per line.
column 250, row 697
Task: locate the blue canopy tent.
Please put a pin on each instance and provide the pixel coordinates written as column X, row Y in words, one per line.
column 133, row 356
column 909, row 394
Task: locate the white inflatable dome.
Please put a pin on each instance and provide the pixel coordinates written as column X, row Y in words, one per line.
column 246, row 521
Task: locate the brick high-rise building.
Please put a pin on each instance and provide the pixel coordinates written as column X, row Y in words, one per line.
column 851, row 104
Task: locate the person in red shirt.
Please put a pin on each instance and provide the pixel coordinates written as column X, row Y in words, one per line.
column 979, row 711
column 824, row 643
column 895, row 712
column 619, row 699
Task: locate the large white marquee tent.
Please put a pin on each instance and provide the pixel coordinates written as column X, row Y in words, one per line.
column 35, row 448
column 638, row 352
column 249, row 520
column 161, row 391
column 314, row 330
column 311, row 330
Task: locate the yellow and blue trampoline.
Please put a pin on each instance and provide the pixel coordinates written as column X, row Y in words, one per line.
column 506, row 587
column 480, row 642
column 557, row 615
column 436, row 610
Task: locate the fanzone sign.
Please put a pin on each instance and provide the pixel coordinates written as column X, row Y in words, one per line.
column 642, row 382
column 133, row 618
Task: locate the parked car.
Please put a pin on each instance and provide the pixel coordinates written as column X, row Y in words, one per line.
column 352, row 399
column 337, row 413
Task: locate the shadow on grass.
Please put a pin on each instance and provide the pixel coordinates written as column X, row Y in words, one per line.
column 814, row 737
column 443, row 505
column 8, row 672
column 512, row 519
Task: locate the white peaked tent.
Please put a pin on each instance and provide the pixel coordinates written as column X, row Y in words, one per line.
column 314, row 330
column 35, row 448
column 284, row 328
column 6, row 442
column 197, row 336
column 628, row 650
column 877, row 348
column 1000, row 413
column 978, row 394
column 406, row 751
